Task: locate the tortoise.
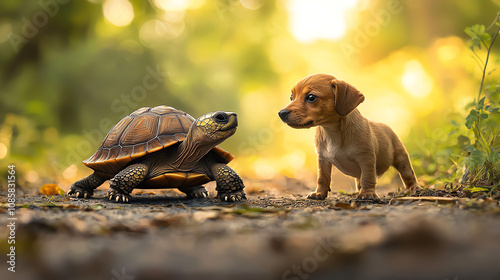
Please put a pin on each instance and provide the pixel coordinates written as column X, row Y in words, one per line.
column 162, row 147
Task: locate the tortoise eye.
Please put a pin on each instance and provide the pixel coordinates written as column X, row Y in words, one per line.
column 221, row 117
column 311, row 98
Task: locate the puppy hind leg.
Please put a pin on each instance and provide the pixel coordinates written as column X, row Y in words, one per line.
column 403, row 165
column 357, row 181
column 368, row 180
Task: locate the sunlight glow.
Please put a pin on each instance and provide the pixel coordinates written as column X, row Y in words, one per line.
column 118, row 12
column 251, row 4
column 70, row 172
column 396, row 112
column 178, row 5
column 448, row 52
column 153, row 31
column 415, row 80
column 318, row 19
column 32, row 176
column 296, row 159
column 264, row 169
column 3, row 150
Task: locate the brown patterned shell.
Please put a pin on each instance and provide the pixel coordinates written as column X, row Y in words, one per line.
column 144, row 131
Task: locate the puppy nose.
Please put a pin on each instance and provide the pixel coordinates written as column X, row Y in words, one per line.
column 284, row 114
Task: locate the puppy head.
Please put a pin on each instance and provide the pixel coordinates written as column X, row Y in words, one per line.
column 320, row 99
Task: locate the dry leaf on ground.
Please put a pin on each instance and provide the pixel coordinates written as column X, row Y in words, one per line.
column 51, row 189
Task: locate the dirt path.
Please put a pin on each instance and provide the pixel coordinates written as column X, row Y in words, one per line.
column 166, row 236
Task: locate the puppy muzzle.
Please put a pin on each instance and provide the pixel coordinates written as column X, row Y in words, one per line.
column 284, row 114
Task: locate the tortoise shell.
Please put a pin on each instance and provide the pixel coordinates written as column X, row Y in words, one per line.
column 144, row 131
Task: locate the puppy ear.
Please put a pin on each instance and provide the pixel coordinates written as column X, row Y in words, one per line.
column 347, row 97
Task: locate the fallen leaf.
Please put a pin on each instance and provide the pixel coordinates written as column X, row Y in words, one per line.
column 51, row 189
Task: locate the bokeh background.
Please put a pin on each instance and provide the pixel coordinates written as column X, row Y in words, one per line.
column 70, row 70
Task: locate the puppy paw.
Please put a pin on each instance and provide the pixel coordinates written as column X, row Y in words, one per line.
column 414, row 189
column 317, row 196
column 367, row 195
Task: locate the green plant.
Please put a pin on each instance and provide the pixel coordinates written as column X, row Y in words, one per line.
column 480, row 145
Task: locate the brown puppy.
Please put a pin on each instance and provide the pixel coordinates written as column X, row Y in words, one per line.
column 356, row 146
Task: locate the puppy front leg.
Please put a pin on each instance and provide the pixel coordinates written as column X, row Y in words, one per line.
column 368, row 180
column 324, row 179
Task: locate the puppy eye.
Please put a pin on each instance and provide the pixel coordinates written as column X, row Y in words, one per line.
column 291, row 97
column 311, row 98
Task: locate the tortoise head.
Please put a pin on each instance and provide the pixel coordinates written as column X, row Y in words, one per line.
column 216, row 126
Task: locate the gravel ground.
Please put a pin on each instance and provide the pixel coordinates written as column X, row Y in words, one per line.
column 269, row 236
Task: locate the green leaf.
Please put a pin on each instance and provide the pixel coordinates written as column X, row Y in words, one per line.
column 474, row 43
column 463, row 140
column 478, row 28
column 453, row 122
column 471, row 118
column 476, row 153
column 492, row 109
column 477, row 189
column 470, row 32
column 494, row 157
column 477, row 34
column 470, row 105
column 485, row 37
column 475, row 31
column 480, row 104
column 477, row 157
column 484, row 116
column 469, row 148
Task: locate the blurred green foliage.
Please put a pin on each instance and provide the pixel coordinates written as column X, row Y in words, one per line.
column 482, row 162
column 466, row 151
column 68, row 74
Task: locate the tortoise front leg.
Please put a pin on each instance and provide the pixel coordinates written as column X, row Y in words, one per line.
column 229, row 184
column 195, row 192
column 125, row 181
column 86, row 186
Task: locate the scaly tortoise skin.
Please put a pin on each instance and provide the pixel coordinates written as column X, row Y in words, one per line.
column 162, row 147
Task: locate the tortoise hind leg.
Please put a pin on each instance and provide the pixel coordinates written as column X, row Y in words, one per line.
column 86, row 186
column 195, row 192
column 229, row 184
column 125, row 181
